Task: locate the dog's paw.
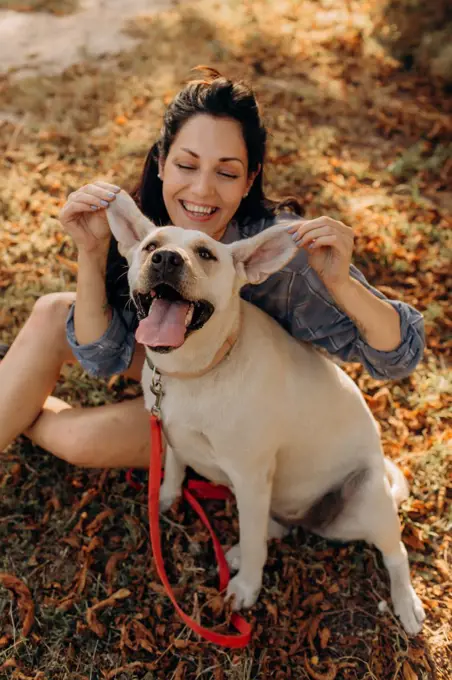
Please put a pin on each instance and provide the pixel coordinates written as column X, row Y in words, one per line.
column 233, row 557
column 410, row 611
column 243, row 593
column 166, row 500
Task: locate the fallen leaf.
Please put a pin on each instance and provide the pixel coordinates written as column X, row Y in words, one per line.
column 25, row 602
column 408, row 673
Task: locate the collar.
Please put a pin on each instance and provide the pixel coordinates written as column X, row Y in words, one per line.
column 221, row 354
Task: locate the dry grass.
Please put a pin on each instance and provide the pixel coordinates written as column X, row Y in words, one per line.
column 354, row 137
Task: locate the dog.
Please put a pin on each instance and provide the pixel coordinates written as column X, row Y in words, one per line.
column 248, row 406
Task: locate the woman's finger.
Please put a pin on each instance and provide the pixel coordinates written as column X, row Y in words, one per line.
column 90, row 199
column 303, row 227
column 75, row 209
column 94, row 191
column 294, row 226
column 312, row 234
column 108, row 187
column 323, row 241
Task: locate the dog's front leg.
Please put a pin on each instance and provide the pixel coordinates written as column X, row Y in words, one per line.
column 172, row 482
column 253, row 502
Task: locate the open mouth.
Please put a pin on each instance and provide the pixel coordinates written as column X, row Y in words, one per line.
column 167, row 318
column 198, row 212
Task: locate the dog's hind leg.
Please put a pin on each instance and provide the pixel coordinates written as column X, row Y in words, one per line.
column 373, row 517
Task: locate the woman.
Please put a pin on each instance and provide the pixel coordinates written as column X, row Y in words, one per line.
column 205, row 173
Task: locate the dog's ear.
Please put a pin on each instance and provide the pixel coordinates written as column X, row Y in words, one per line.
column 127, row 223
column 257, row 257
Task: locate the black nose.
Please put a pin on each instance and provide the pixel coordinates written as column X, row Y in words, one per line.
column 166, row 261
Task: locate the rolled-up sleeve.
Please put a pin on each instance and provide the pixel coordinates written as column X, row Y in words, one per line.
column 316, row 318
column 109, row 355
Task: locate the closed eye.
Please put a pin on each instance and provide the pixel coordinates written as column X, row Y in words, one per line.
column 206, row 254
column 228, row 175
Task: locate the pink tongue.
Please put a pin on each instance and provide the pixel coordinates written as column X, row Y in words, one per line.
column 165, row 324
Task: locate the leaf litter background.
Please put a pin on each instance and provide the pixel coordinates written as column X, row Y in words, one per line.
column 353, row 136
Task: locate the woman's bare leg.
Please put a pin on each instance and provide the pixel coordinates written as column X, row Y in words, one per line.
column 109, row 436
column 114, row 435
column 30, row 369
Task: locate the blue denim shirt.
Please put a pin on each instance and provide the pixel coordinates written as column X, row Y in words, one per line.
column 297, row 299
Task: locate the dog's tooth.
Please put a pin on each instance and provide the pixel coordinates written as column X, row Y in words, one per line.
column 189, row 315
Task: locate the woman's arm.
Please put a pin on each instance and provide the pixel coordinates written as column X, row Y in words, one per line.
column 388, row 333
column 92, row 314
column 314, row 316
column 376, row 320
column 97, row 334
column 102, row 339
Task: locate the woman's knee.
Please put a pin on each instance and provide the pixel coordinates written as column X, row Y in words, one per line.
column 48, row 319
column 52, row 309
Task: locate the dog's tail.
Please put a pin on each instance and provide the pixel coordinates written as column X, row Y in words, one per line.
column 397, row 481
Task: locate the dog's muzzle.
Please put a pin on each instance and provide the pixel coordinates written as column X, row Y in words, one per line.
column 166, row 316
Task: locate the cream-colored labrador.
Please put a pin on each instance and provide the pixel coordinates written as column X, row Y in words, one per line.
column 248, row 406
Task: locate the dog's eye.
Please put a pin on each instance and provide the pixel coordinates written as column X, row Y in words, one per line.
column 149, row 247
column 205, row 254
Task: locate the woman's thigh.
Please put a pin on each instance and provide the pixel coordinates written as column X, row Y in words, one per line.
column 111, row 435
column 108, row 436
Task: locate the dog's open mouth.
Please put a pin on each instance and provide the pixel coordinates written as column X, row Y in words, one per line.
column 166, row 318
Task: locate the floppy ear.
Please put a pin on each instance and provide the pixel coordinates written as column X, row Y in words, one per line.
column 257, row 257
column 127, row 223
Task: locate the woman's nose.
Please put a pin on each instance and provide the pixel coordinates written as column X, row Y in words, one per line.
column 204, row 185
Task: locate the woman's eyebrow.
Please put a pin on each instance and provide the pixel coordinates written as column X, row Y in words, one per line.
column 222, row 160
column 231, row 158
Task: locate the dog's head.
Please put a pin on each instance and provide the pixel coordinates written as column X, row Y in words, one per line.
column 181, row 279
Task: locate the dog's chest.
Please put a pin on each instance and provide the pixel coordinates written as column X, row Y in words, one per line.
column 189, row 435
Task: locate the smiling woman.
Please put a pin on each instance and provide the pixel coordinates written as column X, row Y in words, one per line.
column 203, row 185
column 204, row 173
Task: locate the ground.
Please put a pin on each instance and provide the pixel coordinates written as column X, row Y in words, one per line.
column 353, row 136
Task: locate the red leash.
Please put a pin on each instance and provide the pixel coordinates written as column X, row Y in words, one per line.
column 201, row 490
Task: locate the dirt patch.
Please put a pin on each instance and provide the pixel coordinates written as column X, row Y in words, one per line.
column 48, row 37
column 56, row 7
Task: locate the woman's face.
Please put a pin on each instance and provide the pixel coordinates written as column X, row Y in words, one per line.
column 205, row 174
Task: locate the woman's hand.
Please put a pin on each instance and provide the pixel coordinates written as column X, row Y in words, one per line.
column 329, row 245
column 83, row 216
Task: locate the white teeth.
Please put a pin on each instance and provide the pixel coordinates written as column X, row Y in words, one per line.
column 189, row 315
column 203, row 210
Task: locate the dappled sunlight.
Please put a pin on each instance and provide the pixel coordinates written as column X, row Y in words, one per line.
column 353, row 135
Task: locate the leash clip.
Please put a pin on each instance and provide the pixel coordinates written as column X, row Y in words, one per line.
column 157, row 391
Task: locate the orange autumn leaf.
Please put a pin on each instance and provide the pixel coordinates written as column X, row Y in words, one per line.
column 324, row 636
column 91, row 614
column 408, row 673
column 68, row 264
column 25, row 602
